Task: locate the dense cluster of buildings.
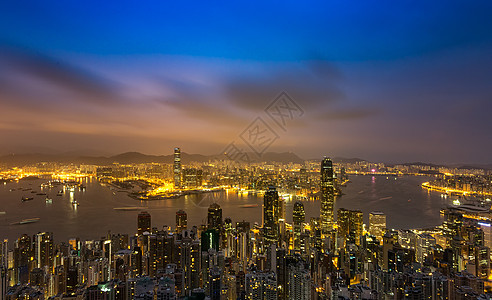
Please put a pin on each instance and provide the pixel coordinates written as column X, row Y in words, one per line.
column 330, row 256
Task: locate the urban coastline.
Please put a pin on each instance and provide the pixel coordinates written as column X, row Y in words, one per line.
column 326, row 256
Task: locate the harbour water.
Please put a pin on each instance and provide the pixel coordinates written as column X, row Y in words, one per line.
column 403, row 200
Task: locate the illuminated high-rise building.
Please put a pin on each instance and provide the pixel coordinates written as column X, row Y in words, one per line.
column 177, row 168
column 181, row 221
column 214, row 217
column 144, row 223
column 43, row 249
column 299, row 217
column 350, row 225
column 22, row 258
column 377, row 224
column 270, row 215
column 327, row 195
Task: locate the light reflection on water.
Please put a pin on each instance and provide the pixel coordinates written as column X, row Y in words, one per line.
column 406, row 204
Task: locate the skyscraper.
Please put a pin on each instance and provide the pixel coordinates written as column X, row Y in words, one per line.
column 299, row 217
column 177, row 168
column 143, row 221
column 377, row 224
column 327, row 195
column 350, row 225
column 270, row 215
column 43, row 247
column 215, row 217
column 181, row 221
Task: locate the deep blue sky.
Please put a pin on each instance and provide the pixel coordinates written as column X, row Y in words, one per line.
column 387, row 81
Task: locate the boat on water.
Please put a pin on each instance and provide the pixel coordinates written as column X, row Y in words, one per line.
column 49, row 200
column 75, row 202
column 130, row 208
column 41, row 194
column 27, row 199
column 26, row 221
column 249, row 205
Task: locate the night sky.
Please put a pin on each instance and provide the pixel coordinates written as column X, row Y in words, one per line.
column 389, row 81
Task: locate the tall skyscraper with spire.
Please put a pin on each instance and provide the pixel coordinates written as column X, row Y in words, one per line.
column 177, row 168
column 327, row 195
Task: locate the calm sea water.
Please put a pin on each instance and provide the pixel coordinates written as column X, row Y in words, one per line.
column 404, row 202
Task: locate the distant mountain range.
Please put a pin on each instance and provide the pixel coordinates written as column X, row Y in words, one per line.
column 137, row 157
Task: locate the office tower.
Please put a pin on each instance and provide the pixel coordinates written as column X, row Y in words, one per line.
column 270, row 215
column 487, row 233
column 281, row 208
column 143, row 221
column 377, row 224
column 343, row 216
column 4, row 251
column 390, row 238
column 327, row 195
column 190, row 263
column 228, row 243
column 425, row 245
column 22, row 253
column 181, row 221
column 243, row 242
column 215, row 285
column 350, row 225
column 482, row 261
column 210, row 240
column 177, row 168
column 214, row 217
column 43, row 249
column 156, row 253
column 453, row 222
column 315, row 225
column 299, row 217
column 4, row 285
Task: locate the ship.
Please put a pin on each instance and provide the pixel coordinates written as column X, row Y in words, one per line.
column 249, row 205
column 130, row 208
column 27, row 199
column 26, row 221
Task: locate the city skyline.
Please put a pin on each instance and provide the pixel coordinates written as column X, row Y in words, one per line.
column 319, row 150
column 395, row 85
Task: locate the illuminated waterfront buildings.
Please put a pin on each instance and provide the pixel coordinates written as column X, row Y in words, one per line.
column 327, row 195
column 177, row 168
column 276, row 259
